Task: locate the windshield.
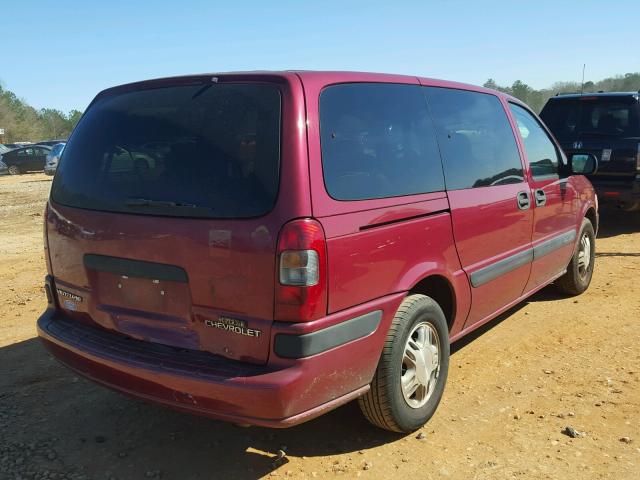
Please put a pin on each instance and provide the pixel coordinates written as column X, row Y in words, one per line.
column 191, row 150
column 57, row 149
column 592, row 116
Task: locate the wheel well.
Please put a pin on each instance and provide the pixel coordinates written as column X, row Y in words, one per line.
column 438, row 288
column 593, row 218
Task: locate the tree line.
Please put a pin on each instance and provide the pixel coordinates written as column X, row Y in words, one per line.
column 22, row 122
column 629, row 82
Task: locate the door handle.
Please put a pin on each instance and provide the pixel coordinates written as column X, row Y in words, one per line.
column 524, row 202
column 541, row 198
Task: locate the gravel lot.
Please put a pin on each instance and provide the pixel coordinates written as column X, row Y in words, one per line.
column 550, row 363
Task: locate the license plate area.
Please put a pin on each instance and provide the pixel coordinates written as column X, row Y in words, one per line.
column 138, row 285
column 147, row 309
column 152, row 295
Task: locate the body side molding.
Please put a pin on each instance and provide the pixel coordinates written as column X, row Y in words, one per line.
column 506, row 265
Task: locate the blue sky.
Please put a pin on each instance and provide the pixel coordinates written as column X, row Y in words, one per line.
column 60, row 54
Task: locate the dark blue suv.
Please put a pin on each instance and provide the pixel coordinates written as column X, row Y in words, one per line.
column 606, row 125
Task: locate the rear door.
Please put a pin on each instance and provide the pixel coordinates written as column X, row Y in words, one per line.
column 11, row 158
column 556, row 204
column 24, row 158
column 489, row 197
column 164, row 215
column 39, row 158
column 378, row 190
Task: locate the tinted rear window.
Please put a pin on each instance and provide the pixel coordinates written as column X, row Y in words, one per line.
column 377, row 142
column 592, row 116
column 196, row 151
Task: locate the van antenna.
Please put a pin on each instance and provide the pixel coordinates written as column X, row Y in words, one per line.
column 582, row 84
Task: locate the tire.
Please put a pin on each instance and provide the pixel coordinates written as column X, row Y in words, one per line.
column 579, row 272
column 14, row 170
column 385, row 404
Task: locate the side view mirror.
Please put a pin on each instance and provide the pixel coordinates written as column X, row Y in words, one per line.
column 583, row 164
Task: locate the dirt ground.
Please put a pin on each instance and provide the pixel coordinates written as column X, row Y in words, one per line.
column 550, row 363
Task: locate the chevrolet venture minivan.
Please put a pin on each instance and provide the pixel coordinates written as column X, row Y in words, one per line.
column 264, row 247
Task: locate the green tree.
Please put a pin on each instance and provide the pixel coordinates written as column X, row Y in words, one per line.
column 73, row 117
column 22, row 122
column 536, row 99
column 55, row 123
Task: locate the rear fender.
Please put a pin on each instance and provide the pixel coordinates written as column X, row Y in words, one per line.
column 458, row 283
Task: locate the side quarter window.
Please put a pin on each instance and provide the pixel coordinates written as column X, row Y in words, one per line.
column 475, row 137
column 377, row 142
column 541, row 151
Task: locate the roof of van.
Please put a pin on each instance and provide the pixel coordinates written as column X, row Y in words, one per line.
column 328, row 77
column 340, row 76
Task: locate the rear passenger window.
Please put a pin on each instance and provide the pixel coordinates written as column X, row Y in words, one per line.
column 541, row 152
column 476, row 140
column 377, row 142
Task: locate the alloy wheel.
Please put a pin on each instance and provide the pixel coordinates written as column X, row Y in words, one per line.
column 584, row 254
column 420, row 365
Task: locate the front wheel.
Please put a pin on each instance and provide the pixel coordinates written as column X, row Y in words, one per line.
column 580, row 269
column 412, row 371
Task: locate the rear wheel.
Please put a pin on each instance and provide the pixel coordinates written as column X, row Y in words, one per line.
column 580, row 268
column 14, row 170
column 412, row 371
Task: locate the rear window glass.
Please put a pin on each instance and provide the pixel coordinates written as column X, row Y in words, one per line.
column 377, row 142
column 478, row 145
column 192, row 150
column 57, row 149
column 592, row 116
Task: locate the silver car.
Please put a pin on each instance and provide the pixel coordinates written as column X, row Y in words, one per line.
column 53, row 157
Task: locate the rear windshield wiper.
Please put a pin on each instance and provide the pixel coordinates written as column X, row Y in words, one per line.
column 145, row 202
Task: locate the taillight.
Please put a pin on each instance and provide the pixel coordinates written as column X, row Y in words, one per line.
column 301, row 284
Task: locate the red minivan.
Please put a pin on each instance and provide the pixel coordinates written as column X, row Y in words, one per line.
column 264, row 247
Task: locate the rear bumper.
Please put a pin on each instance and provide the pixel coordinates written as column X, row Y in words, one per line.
column 625, row 195
column 282, row 393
